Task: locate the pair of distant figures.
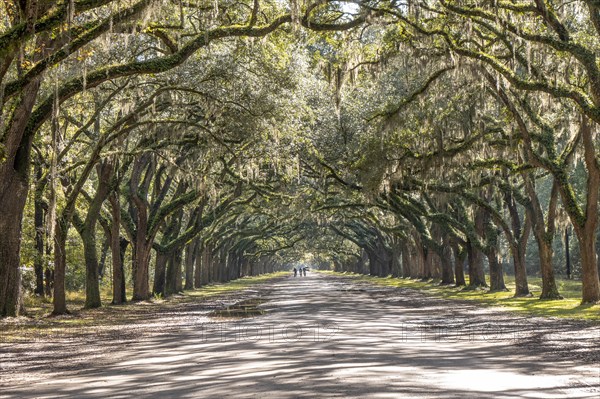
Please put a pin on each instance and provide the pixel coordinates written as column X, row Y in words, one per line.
column 300, row 270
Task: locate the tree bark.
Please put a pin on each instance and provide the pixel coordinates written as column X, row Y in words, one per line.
column 40, row 232
column 446, row 260
column 496, row 271
column 141, row 262
column 200, row 266
column 105, row 172
column 10, row 241
column 190, row 262
column 60, row 266
column 491, row 252
column 118, row 246
column 160, row 274
column 177, row 264
column 549, row 289
column 206, row 265
column 568, row 255
column 518, row 244
column 405, row 260
column 586, row 230
column 92, row 287
column 544, row 235
column 14, row 185
column 476, row 274
column 459, row 266
column 590, row 285
column 173, row 272
column 103, row 256
column 521, row 285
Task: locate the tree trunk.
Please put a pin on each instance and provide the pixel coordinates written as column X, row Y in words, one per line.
column 384, row 258
column 518, row 244
column 567, row 254
column 11, row 212
column 589, row 278
column 476, row 274
column 178, row 263
column 396, row 259
column 173, row 271
column 496, row 271
column 549, row 289
column 48, row 277
column 446, row 260
column 206, row 265
column 92, row 287
column 363, row 262
column 544, row 235
column 200, row 266
column 118, row 247
column 103, row 256
column 459, row 266
column 141, row 263
column 190, row 261
column 60, row 266
column 418, row 263
column 14, row 185
column 160, row 273
column 405, row 260
column 586, row 232
column 221, row 266
column 521, row 285
column 491, row 252
column 141, row 256
column 373, row 264
column 40, row 232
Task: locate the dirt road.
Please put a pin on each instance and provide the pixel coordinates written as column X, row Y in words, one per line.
column 320, row 337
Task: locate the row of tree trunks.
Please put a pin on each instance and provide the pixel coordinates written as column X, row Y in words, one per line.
column 410, row 259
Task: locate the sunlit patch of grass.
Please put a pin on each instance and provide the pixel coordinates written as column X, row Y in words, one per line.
column 37, row 324
column 569, row 307
column 235, row 285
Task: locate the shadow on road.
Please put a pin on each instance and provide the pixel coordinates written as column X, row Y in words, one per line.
column 323, row 336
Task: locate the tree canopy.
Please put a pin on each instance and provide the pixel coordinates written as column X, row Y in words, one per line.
column 181, row 142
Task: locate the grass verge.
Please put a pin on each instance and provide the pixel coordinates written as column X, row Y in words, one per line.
column 37, row 320
column 569, row 307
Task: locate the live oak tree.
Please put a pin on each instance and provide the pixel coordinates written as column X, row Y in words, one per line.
column 204, row 141
column 42, row 36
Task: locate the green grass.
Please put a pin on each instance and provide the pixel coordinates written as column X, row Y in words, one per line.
column 235, row 285
column 37, row 307
column 37, row 326
column 569, row 307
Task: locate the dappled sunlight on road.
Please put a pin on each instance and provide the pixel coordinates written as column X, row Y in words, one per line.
column 325, row 337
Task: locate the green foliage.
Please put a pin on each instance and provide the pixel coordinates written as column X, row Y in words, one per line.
column 353, row 137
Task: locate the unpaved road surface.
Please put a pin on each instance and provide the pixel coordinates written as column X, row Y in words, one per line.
column 320, row 337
